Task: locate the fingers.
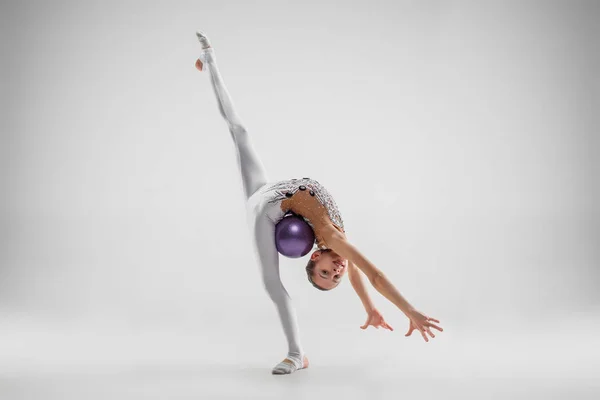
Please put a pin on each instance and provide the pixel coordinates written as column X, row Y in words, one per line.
column 429, row 324
column 199, row 65
column 385, row 325
column 429, row 331
column 366, row 323
column 377, row 323
column 424, row 335
column 424, row 328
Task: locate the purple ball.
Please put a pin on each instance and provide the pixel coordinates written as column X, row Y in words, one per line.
column 294, row 237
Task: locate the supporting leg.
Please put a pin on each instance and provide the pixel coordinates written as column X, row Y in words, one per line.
column 263, row 230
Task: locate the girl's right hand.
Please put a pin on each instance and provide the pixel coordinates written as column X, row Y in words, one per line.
column 422, row 323
column 374, row 318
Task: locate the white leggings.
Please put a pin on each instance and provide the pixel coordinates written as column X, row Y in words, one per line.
column 261, row 226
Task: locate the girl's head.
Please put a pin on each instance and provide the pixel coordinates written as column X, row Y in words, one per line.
column 325, row 269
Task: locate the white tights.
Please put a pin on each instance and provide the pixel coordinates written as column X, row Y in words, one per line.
column 261, row 227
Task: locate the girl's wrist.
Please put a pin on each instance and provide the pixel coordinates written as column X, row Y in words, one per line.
column 407, row 309
column 368, row 306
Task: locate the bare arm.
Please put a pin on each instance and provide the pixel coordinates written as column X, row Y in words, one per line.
column 418, row 321
column 338, row 243
column 374, row 317
column 358, row 285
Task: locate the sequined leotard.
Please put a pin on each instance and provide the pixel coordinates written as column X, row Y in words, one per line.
column 307, row 198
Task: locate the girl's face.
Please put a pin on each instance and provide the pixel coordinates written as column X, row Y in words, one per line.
column 329, row 269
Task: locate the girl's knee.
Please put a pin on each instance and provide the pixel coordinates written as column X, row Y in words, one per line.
column 238, row 131
column 274, row 289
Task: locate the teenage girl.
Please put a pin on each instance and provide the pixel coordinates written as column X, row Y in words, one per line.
column 267, row 202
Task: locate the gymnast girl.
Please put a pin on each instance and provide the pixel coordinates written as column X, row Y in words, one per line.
column 267, row 202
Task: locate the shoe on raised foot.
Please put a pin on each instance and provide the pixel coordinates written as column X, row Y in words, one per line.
column 203, row 39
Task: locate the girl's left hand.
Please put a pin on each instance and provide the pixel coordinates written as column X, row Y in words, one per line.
column 422, row 323
column 375, row 319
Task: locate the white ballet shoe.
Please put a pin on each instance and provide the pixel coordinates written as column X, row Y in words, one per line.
column 207, row 54
column 203, row 39
column 289, row 365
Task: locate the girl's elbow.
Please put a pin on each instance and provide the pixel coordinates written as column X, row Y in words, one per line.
column 376, row 278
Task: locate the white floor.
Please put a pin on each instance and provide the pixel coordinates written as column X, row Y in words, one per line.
column 544, row 362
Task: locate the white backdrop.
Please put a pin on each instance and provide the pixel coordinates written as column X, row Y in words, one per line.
column 468, row 138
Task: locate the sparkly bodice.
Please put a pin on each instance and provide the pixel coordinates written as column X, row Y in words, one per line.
column 309, row 199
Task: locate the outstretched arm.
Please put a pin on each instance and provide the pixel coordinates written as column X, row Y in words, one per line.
column 338, row 242
column 374, row 317
column 356, row 280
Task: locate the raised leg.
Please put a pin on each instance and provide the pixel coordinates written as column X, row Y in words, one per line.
column 251, row 168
